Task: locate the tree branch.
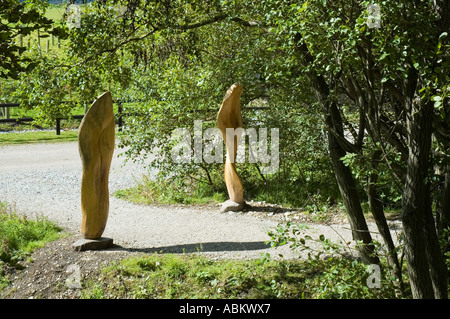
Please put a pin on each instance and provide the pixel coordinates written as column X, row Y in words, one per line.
column 214, row 19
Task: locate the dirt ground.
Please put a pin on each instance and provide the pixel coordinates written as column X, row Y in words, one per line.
column 55, row 271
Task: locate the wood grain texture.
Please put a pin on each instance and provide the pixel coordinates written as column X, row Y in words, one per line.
column 229, row 117
column 96, row 137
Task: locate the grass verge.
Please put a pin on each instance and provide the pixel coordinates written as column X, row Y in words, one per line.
column 169, row 276
column 37, row 137
column 19, row 236
column 148, row 192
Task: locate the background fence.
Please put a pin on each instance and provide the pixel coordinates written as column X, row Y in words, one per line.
column 5, row 110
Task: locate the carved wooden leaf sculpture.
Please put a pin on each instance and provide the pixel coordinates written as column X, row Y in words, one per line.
column 96, row 147
column 230, row 117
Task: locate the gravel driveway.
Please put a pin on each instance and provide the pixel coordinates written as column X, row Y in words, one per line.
column 44, row 180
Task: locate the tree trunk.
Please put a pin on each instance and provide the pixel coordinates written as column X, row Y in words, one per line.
column 438, row 269
column 421, row 247
column 444, row 218
column 377, row 209
column 413, row 202
column 343, row 174
column 348, row 190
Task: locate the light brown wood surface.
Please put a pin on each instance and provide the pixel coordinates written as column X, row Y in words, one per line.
column 96, row 147
column 229, row 116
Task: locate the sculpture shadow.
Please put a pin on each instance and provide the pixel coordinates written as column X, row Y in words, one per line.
column 199, row 247
column 268, row 209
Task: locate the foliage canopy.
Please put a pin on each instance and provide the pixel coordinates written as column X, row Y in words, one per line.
column 362, row 108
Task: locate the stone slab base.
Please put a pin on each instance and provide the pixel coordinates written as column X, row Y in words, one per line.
column 92, row 244
column 231, row 206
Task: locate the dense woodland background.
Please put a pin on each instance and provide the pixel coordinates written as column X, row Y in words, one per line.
column 363, row 110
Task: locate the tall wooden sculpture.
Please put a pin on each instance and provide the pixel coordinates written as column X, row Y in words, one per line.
column 229, row 117
column 96, row 146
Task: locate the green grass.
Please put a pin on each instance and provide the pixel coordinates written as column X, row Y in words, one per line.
column 170, row 192
column 19, row 236
column 19, row 112
column 173, row 276
column 55, row 12
column 38, row 137
column 170, row 276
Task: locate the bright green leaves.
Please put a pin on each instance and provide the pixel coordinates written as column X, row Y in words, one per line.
column 20, row 19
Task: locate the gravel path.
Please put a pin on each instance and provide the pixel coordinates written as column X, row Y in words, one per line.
column 44, row 180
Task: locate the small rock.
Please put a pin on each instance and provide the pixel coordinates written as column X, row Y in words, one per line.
column 232, row 206
column 92, row 244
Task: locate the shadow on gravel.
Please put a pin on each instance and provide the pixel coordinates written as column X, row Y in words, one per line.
column 198, row 247
column 268, row 209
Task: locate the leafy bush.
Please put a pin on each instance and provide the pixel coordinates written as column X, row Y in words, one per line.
column 338, row 274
